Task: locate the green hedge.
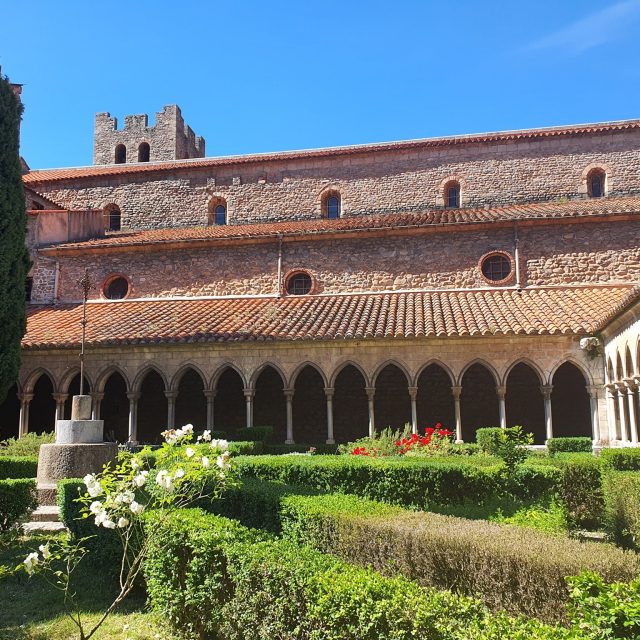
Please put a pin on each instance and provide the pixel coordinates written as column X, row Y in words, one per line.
column 624, row 459
column 622, row 520
column 579, row 487
column 281, row 449
column 520, row 570
column 569, row 445
column 27, row 445
column 245, row 448
column 18, row 467
column 254, row 434
column 488, row 438
column 17, row 500
column 407, row 482
column 213, row 578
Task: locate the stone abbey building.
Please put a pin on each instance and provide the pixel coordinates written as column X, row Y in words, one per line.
column 476, row 280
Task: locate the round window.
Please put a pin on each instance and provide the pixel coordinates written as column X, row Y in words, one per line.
column 496, row 267
column 299, row 284
column 117, row 288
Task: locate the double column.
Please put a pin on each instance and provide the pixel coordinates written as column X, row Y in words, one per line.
column 328, row 392
column 133, row 397
column 546, row 390
column 23, row 422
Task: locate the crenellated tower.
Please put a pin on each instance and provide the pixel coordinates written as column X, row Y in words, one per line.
column 169, row 139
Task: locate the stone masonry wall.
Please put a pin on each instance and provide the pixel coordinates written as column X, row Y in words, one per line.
column 169, row 139
column 556, row 254
column 370, row 183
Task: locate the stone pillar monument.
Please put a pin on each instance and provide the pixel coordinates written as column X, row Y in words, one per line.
column 79, row 448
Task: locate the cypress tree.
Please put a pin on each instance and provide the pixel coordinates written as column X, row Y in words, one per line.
column 14, row 257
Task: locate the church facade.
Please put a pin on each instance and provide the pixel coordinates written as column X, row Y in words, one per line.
column 477, row 280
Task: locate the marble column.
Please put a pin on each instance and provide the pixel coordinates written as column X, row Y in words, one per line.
column 96, row 404
column 413, row 394
column 502, row 410
column 548, row 413
column 595, row 418
column 371, row 393
column 456, row 391
column 210, row 395
column 633, row 417
column 621, row 392
column 23, row 423
column 248, row 397
column 171, row 408
column 611, row 412
column 133, row 396
column 288, row 394
column 328, row 392
column 60, row 399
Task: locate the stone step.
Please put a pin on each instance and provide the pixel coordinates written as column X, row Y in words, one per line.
column 46, row 513
column 43, row 527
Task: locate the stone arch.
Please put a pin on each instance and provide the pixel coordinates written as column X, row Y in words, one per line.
column 439, row 363
column 189, row 385
column 309, row 404
column 114, row 408
column 229, row 407
column 256, row 374
column 628, row 362
column 489, row 367
column 142, row 373
column 392, row 403
column 524, row 402
column 619, row 366
column 42, row 408
column 35, row 375
column 325, row 195
column 570, row 403
column 221, row 369
column 343, row 365
column 445, row 183
column 69, row 377
column 478, row 399
column 638, row 356
column 112, row 217
column 434, row 400
column 350, row 403
column 269, row 403
column 530, row 363
column 588, row 172
column 144, row 152
column 576, row 364
column 395, row 363
column 299, row 369
column 120, row 154
column 217, row 210
column 10, row 414
column 611, row 376
column 105, row 374
column 152, row 404
column 73, row 389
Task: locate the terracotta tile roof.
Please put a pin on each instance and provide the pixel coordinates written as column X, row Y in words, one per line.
column 54, row 205
column 358, row 316
column 74, row 173
column 433, row 218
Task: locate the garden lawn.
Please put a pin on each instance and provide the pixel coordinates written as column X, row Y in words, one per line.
column 31, row 609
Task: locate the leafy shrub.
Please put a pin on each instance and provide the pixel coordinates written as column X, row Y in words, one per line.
column 380, row 444
column 569, row 445
column 603, row 610
column 213, row 578
column 254, row 434
column 512, row 568
column 487, row 439
column 551, row 519
column 245, row 448
column 622, row 514
column 103, row 544
column 27, row 445
column 579, row 487
column 623, row 459
column 464, row 449
column 320, row 449
column 18, row 467
column 17, row 500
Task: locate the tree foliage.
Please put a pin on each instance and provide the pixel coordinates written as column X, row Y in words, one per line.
column 14, row 257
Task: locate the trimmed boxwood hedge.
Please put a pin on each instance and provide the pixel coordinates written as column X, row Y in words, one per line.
column 569, row 445
column 513, row 568
column 623, row 459
column 407, row 482
column 622, row 520
column 17, row 500
column 18, row 467
column 211, row 577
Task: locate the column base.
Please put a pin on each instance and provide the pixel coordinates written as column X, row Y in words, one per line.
column 330, row 441
column 289, row 442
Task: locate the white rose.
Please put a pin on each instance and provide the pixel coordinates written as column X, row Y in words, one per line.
column 188, row 428
column 189, row 452
column 136, row 508
column 179, row 473
column 109, row 524
column 205, row 461
column 96, row 507
column 135, row 464
column 206, row 435
column 30, row 562
column 44, row 549
column 140, row 480
column 94, row 490
column 122, row 523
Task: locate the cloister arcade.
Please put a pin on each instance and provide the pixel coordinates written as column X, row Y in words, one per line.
column 312, row 405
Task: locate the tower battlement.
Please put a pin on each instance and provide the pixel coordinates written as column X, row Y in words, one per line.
column 169, row 139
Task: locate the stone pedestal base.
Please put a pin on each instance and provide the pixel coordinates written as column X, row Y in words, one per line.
column 58, row 461
column 79, row 431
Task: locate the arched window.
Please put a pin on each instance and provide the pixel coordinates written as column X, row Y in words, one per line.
column 116, row 288
column 332, row 205
column 217, row 211
column 596, row 183
column 299, row 283
column 143, row 152
column 496, row 267
column 121, row 154
column 452, row 195
column 112, row 217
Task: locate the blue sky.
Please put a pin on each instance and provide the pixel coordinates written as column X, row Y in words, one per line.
column 263, row 76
